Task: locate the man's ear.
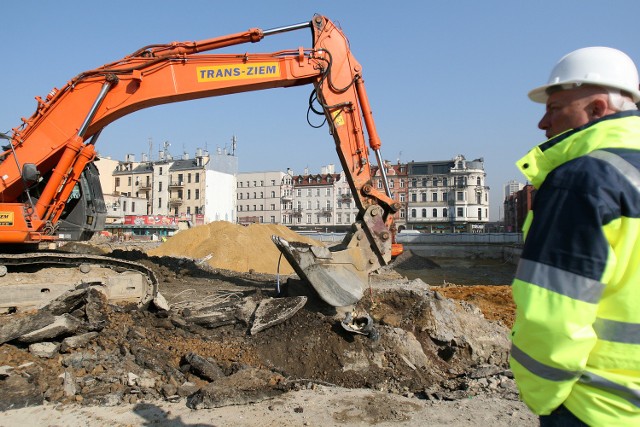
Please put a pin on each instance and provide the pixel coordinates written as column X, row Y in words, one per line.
column 598, row 108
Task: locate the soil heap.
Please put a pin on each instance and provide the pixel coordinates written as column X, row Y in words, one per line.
column 233, row 247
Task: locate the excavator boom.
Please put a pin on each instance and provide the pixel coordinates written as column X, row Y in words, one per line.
column 49, row 153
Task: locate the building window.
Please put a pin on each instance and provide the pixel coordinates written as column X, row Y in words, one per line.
column 189, row 178
column 434, row 197
column 424, row 213
column 460, row 196
column 160, row 186
column 117, row 182
column 197, row 194
column 328, row 193
column 445, row 196
column 435, row 213
column 413, row 213
column 444, row 212
column 198, row 177
column 444, row 182
column 273, row 194
column 435, row 182
column 414, row 197
column 423, row 197
column 460, row 212
column 308, row 218
column 479, row 213
column 402, row 197
column 188, row 194
column 273, row 219
column 273, row 207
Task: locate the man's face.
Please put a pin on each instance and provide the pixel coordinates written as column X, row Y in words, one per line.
column 566, row 109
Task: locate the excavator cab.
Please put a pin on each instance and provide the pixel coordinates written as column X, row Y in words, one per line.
column 85, row 212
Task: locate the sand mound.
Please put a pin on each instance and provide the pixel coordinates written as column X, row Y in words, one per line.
column 233, row 247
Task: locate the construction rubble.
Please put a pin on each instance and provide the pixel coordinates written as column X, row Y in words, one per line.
column 224, row 334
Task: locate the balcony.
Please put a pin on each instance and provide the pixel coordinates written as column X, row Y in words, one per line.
column 326, row 212
column 176, row 184
column 146, row 186
column 175, row 202
column 294, row 211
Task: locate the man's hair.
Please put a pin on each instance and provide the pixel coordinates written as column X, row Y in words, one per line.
column 619, row 100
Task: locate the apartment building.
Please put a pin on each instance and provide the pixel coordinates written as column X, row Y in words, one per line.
column 434, row 197
column 322, row 201
column 396, row 176
column 448, row 196
column 259, row 197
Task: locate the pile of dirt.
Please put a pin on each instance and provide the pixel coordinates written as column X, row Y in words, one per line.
column 233, row 247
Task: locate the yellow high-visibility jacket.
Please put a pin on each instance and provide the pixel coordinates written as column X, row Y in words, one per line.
column 576, row 337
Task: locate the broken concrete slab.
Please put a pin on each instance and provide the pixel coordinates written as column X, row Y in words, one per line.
column 61, row 325
column 215, row 315
column 19, row 392
column 14, row 327
column 45, row 350
column 203, row 368
column 76, row 341
column 67, row 302
column 273, row 311
column 249, row 385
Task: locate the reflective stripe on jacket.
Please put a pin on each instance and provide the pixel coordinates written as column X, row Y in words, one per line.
column 576, row 338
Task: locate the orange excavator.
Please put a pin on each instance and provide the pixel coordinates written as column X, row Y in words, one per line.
column 49, row 186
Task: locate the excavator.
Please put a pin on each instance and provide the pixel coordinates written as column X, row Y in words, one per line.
column 50, row 190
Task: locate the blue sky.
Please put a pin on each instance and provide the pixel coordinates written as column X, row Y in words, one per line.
column 443, row 78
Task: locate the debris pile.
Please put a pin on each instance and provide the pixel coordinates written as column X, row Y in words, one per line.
column 227, row 337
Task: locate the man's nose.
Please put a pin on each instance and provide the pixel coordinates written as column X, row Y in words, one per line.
column 544, row 123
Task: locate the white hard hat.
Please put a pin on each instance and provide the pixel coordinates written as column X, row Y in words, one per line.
column 602, row 66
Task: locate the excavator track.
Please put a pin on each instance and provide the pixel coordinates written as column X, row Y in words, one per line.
column 31, row 280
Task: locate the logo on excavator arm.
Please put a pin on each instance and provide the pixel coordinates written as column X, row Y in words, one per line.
column 6, row 218
column 258, row 70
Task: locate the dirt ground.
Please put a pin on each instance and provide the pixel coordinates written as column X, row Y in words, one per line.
column 317, row 373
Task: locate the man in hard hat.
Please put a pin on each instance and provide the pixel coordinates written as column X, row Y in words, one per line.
column 575, row 348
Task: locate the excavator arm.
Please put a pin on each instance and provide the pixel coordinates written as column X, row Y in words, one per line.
column 53, row 147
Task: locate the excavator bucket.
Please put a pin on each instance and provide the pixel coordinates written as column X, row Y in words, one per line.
column 339, row 274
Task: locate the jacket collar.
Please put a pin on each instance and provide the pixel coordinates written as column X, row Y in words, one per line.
column 608, row 132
